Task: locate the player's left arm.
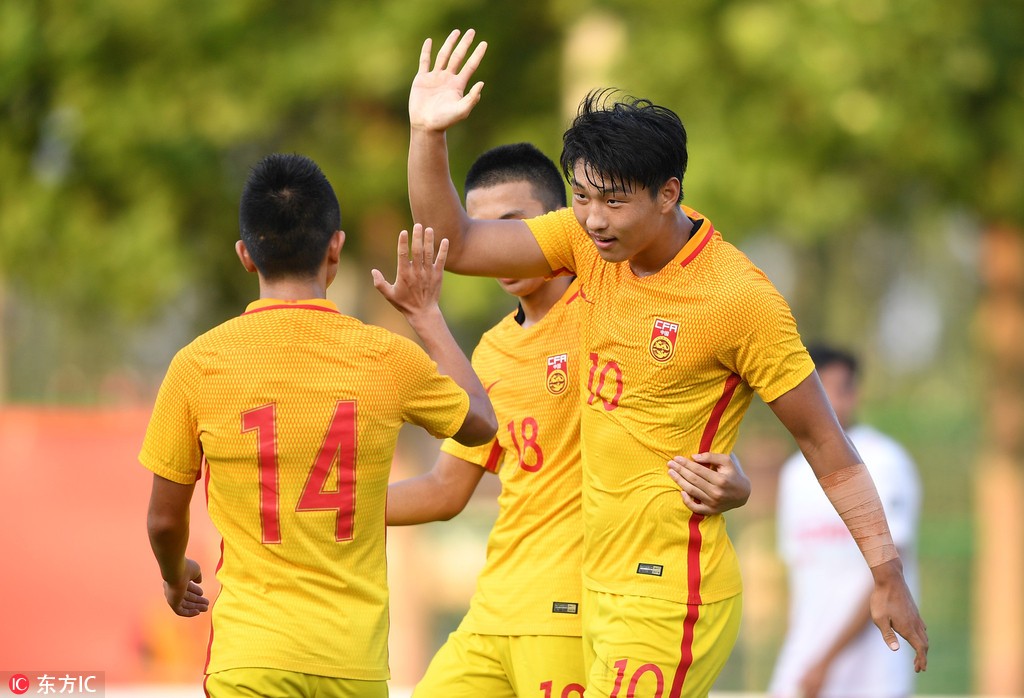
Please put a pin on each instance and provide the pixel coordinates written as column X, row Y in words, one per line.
column 438, row 495
column 807, row 414
column 710, row 483
column 168, row 525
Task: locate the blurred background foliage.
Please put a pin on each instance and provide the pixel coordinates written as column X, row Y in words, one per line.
column 860, row 151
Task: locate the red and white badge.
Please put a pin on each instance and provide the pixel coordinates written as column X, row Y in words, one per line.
column 663, row 340
column 557, row 378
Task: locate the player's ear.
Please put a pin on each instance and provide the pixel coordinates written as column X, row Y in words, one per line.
column 334, row 255
column 334, row 246
column 244, row 258
column 668, row 195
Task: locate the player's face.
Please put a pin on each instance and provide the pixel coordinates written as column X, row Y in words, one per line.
column 508, row 200
column 623, row 225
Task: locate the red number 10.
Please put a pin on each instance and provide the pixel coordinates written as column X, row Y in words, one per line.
column 318, row 494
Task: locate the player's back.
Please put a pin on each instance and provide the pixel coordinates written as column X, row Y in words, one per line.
column 297, row 409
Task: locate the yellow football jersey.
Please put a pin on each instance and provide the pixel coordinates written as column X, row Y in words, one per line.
column 295, row 409
column 669, row 363
column 530, row 583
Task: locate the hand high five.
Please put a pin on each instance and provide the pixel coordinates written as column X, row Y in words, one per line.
column 438, row 97
column 417, row 286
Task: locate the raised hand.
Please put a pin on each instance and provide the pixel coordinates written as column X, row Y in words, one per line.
column 438, row 97
column 417, row 286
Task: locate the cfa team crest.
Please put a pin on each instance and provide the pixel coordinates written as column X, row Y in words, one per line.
column 663, row 340
column 557, row 379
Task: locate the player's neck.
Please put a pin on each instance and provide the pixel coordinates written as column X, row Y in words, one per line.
column 293, row 289
column 537, row 304
column 672, row 235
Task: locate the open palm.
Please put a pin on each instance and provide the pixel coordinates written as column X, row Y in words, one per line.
column 438, row 97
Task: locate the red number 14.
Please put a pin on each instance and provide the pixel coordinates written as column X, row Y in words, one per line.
column 318, row 494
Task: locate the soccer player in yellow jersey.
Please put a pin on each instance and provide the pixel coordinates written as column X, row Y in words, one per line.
column 521, row 636
column 295, row 409
column 678, row 330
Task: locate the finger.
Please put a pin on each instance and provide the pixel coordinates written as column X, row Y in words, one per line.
column 472, row 97
column 695, row 505
column 889, row 635
column 712, row 460
column 445, row 51
column 693, row 495
column 380, row 283
column 416, row 256
column 919, row 641
column 428, row 246
column 403, row 248
column 676, row 476
column 693, row 473
column 461, row 49
column 474, row 62
column 425, row 56
column 442, row 254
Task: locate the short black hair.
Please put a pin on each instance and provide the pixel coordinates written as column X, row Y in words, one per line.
column 519, row 162
column 825, row 355
column 287, row 216
column 625, row 142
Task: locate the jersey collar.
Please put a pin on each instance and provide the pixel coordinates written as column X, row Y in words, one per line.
column 698, row 240
column 276, row 304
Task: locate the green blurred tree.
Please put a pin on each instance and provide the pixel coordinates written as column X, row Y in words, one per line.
column 126, row 130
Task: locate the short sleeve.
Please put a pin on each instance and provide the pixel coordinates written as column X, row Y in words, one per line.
column 430, row 400
column 554, row 233
column 487, row 456
column 171, row 448
column 766, row 350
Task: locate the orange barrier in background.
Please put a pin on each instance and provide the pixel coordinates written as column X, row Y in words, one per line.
column 80, row 590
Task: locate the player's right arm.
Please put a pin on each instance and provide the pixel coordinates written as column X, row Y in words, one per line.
column 167, row 522
column 435, row 496
column 438, row 99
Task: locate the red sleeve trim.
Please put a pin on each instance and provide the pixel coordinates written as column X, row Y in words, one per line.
column 494, row 457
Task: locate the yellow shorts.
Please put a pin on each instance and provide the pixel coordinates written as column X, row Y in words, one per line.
column 635, row 646
column 498, row 666
column 275, row 683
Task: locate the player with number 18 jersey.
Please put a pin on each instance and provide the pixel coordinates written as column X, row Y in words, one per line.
column 530, row 584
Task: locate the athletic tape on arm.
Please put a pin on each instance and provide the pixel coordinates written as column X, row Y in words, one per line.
column 852, row 492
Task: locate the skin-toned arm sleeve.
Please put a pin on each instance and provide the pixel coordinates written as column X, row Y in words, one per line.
column 168, row 526
column 437, row 495
column 438, row 99
column 806, row 412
